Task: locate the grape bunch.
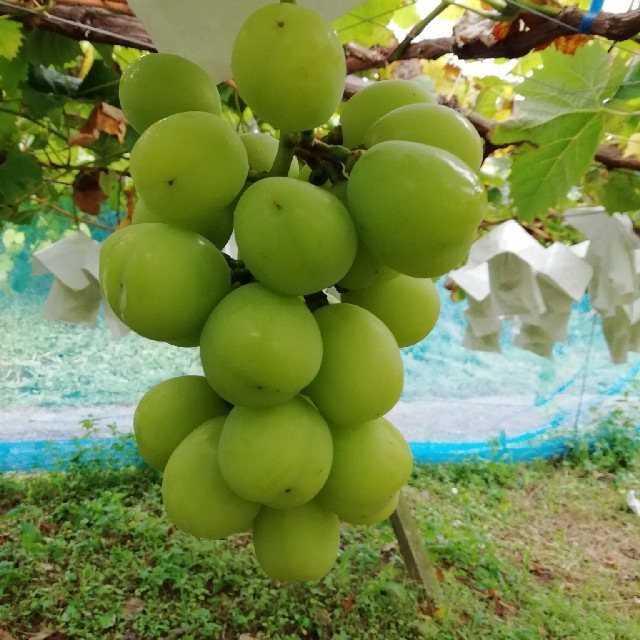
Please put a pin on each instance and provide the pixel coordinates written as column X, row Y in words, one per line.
column 284, row 435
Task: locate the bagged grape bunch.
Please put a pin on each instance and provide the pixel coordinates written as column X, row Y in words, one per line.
column 285, row 432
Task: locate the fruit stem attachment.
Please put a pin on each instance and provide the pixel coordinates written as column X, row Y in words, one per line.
column 286, row 151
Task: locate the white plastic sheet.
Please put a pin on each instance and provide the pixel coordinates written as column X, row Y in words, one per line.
column 204, row 30
column 75, row 294
column 510, row 275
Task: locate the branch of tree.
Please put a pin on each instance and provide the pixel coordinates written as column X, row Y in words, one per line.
column 125, row 29
column 98, row 21
column 613, row 26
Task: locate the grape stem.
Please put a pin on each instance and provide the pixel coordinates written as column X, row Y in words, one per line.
column 417, row 29
column 286, row 151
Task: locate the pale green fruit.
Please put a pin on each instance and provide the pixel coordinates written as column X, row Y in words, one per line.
column 216, row 227
column 169, row 412
column 370, row 514
column 408, row 306
column 296, row 544
column 196, row 497
column 158, row 85
column 280, row 457
column 371, row 463
column 259, row 348
column 289, row 66
column 361, row 374
column 376, row 100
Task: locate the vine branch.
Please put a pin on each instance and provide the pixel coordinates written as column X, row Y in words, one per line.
column 77, row 18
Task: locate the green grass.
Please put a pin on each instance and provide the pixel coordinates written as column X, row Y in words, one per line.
column 546, row 550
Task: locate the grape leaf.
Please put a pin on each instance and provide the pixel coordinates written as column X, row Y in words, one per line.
column 20, row 174
column 12, row 73
column 367, row 24
column 406, row 16
column 10, row 38
column 621, row 192
column 564, row 84
column 630, row 87
column 101, row 84
column 561, row 116
column 49, row 48
column 542, row 175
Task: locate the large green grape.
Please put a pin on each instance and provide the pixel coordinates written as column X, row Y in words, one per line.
column 169, row 412
column 296, row 544
column 369, row 514
column 195, row 495
column 188, row 165
column 261, row 150
column 374, row 101
column 216, row 227
column 371, row 462
column 361, row 376
column 279, row 456
column 158, row 85
column 432, row 124
column 289, row 66
column 161, row 281
column 259, row 348
column 408, row 306
column 416, row 207
column 294, row 237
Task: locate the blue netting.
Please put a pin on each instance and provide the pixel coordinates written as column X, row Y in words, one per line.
column 456, row 404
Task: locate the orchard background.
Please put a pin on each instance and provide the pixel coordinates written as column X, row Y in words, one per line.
column 557, row 109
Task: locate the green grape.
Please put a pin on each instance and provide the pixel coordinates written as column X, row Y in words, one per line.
column 373, row 102
column 416, row 207
column 216, row 227
column 432, row 124
column 371, row 462
column 360, row 377
column 408, row 306
column 169, row 412
column 296, row 544
column 261, row 150
column 158, row 85
column 295, row 238
column 161, row 281
column 280, row 456
column 259, row 348
column 288, row 64
column 363, row 272
column 188, row 165
column 195, row 496
column 369, row 514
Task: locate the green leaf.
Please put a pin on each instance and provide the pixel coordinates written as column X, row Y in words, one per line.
column 12, row 73
column 100, row 84
column 20, row 174
column 10, row 37
column 41, row 104
column 49, row 48
column 630, row 87
column 565, row 84
column 407, row 16
column 621, row 192
column 542, row 175
column 367, row 24
column 47, row 80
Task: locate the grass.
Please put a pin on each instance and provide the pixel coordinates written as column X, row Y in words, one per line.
column 545, row 550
